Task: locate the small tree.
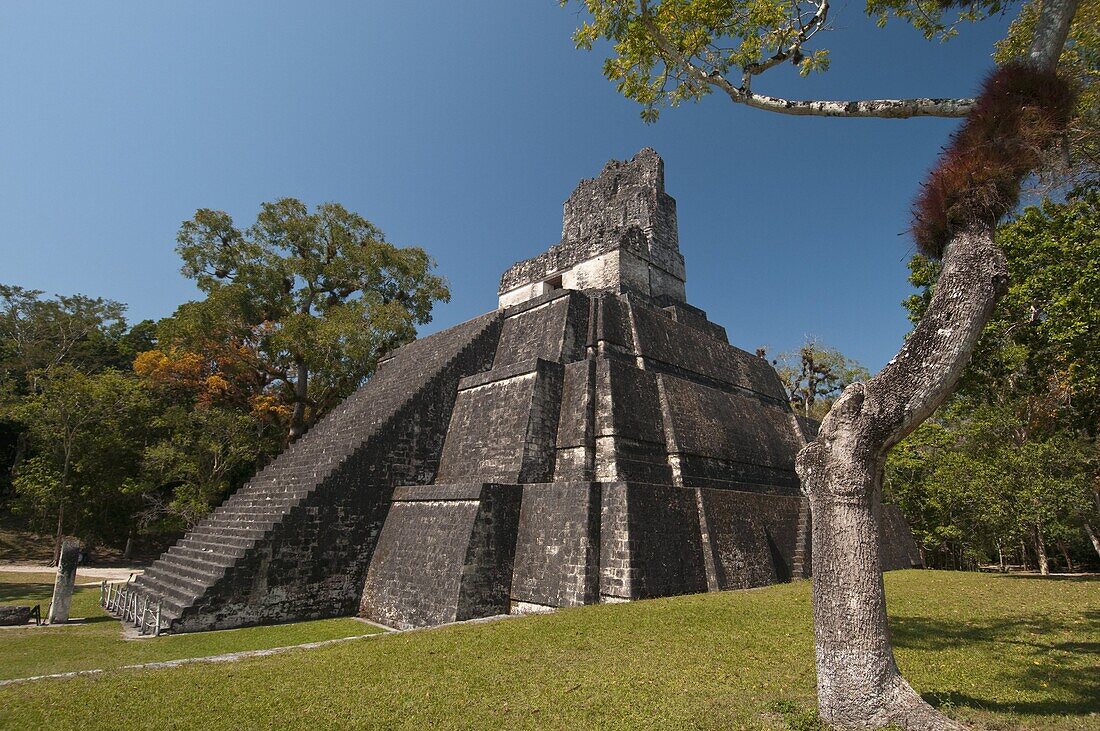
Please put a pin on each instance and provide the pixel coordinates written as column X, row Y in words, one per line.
column 88, row 434
column 815, row 376
column 308, row 301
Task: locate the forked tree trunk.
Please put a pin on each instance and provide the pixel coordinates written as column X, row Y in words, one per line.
column 858, row 682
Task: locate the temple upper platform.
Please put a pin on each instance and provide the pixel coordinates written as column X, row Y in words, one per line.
column 619, row 235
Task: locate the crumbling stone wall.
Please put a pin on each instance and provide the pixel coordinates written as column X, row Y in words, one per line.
column 619, row 234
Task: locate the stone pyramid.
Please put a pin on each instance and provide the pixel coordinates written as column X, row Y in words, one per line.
column 595, row 439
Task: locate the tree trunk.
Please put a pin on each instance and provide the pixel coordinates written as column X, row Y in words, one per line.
column 1044, row 566
column 301, row 395
column 58, row 534
column 1001, row 558
column 63, row 491
column 858, row 681
column 1065, row 554
column 1093, row 537
column 1041, row 551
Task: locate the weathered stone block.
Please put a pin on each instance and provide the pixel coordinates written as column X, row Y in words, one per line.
column 445, row 554
column 558, row 545
column 14, row 616
column 650, row 543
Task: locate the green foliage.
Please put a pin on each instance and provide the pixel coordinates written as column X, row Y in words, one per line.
column 107, row 430
column 205, row 453
column 666, row 52
column 718, row 37
column 1013, row 456
column 975, row 480
column 38, row 335
column 88, row 433
column 934, row 18
column 309, row 301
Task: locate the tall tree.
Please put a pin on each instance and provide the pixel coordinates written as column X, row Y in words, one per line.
column 678, row 50
column 38, row 335
column 308, row 300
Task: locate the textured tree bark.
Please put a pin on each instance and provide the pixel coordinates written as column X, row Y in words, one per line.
column 858, row 682
column 859, row 685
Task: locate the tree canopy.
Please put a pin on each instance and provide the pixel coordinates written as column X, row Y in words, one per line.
column 305, row 301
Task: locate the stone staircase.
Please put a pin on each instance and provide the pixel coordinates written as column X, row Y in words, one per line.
column 800, row 564
column 225, row 542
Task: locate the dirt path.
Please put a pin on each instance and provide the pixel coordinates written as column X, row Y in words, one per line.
column 82, row 572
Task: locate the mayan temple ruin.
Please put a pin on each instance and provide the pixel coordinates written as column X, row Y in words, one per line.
column 594, row 439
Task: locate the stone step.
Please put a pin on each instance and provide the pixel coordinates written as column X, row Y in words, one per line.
column 180, row 578
column 252, row 513
column 226, row 522
column 169, row 608
column 201, row 560
column 168, row 590
column 191, row 573
column 228, row 546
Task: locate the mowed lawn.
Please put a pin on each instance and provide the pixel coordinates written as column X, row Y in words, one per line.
column 97, row 641
column 999, row 652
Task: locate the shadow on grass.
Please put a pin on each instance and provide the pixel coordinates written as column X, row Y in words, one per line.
column 25, row 593
column 1083, row 705
column 1077, row 578
column 1067, row 669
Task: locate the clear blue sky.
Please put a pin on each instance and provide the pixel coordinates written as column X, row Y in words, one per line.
column 461, row 128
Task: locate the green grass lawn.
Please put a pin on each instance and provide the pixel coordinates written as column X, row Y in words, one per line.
column 998, row 652
column 98, row 642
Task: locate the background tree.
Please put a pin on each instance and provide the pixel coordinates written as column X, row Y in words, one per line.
column 306, row 301
column 815, row 375
column 1033, row 385
column 87, row 431
column 676, row 50
column 39, row 335
column 214, row 426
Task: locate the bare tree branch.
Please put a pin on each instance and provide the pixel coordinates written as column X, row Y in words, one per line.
column 881, row 108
